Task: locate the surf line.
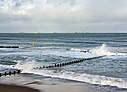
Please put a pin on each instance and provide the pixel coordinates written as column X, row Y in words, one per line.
column 68, row 63
column 16, row 71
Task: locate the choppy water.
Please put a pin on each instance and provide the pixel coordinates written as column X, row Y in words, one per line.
column 110, row 70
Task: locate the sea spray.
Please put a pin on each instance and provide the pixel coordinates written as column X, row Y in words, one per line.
column 28, row 67
column 102, row 50
column 88, row 78
column 97, row 51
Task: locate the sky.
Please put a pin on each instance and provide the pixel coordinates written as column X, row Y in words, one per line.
column 63, row 16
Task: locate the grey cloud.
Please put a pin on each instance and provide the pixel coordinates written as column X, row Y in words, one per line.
column 64, row 15
column 7, row 18
column 61, row 2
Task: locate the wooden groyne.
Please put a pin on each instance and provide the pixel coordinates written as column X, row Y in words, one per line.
column 17, row 71
column 9, row 46
column 68, row 63
column 10, row 72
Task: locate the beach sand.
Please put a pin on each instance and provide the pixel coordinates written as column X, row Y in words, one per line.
column 46, row 88
column 30, row 83
column 15, row 88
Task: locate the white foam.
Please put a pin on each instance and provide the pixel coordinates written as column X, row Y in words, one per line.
column 6, row 68
column 102, row 50
column 92, row 79
column 96, row 79
column 99, row 51
column 74, row 54
column 27, row 65
column 75, row 49
column 2, row 67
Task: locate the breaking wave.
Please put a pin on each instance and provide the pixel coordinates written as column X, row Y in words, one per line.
column 28, row 67
column 98, row 51
column 88, row 78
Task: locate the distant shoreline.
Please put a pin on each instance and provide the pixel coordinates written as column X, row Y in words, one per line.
column 63, row 33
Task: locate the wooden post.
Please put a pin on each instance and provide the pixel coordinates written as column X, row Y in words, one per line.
column 33, row 44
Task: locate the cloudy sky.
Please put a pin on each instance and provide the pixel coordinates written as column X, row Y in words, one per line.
column 63, row 16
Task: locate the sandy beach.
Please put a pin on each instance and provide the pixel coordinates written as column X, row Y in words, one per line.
column 30, row 83
column 45, row 88
column 15, row 88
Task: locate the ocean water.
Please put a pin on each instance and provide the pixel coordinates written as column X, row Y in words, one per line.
column 109, row 71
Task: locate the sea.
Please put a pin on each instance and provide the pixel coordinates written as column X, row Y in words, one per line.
column 44, row 49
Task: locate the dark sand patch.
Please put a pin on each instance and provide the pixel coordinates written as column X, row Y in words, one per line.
column 15, row 88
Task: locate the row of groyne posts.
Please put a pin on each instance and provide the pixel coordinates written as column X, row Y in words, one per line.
column 10, row 72
column 17, row 71
column 67, row 63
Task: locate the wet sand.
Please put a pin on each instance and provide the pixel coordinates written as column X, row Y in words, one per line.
column 15, row 88
column 46, row 88
column 29, row 83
